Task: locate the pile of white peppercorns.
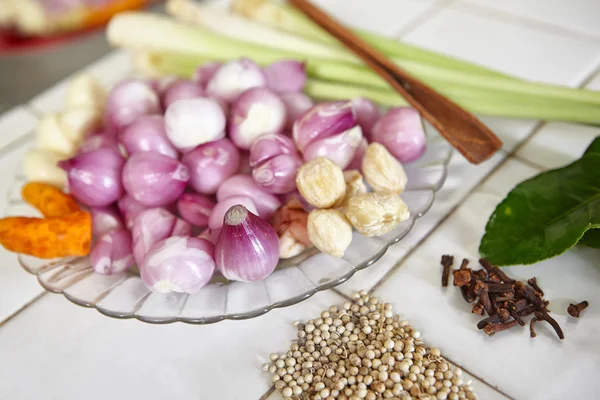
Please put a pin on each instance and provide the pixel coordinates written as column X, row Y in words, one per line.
column 363, row 351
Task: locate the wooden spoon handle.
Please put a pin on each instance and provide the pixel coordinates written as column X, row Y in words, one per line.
column 462, row 129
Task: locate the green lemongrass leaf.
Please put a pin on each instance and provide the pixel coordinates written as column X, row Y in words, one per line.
column 591, row 238
column 545, row 215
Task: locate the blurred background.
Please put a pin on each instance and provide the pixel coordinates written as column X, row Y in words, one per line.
column 44, row 41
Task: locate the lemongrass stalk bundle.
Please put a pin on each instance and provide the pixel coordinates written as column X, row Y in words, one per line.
column 157, row 64
column 220, row 21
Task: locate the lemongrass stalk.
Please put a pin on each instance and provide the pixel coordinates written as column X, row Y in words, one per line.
column 474, row 101
column 323, row 90
column 220, row 21
column 149, row 32
column 440, row 80
column 286, row 18
column 144, row 31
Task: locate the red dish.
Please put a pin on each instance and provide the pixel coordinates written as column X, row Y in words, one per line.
column 11, row 42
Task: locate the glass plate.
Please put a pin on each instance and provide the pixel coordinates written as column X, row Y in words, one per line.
column 125, row 296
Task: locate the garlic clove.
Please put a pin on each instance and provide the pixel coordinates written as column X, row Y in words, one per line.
column 79, row 122
column 329, row 231
column 41, row 166
column 321, row 182
column 51, row 136
column 289, row 246
column 354, row 185
column 85, row 91
column 375, row 214
column 382, row 170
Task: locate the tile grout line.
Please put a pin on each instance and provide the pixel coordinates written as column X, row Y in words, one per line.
column 506, row 16
column 468, row 371
column 23, row 308
column 268, row 393
column 422, row 17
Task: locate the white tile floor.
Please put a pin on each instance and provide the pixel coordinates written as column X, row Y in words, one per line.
column 53, row 349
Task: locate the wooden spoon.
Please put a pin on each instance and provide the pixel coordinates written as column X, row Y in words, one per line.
column 462, row 129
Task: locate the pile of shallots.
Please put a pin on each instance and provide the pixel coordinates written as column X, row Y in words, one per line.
column 188, row 177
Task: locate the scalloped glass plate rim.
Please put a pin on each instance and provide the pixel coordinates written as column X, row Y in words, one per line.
column 225, row 316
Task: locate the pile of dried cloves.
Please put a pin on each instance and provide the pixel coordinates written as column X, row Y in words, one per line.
column 504, row 300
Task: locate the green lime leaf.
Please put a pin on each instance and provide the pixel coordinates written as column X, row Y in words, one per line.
column 545, row 215
column 591, row 239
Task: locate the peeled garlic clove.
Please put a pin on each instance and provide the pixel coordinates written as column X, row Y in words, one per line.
column 354, row 185
column 375, row 214
column 52, row 137
column 41, row 166
column 382, row 171
column 329, row 231
column 321, row 182
column 79, row 122
column 85, row 91
column 289, row 246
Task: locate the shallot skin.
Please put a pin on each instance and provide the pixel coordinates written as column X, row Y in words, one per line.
column 248, row 247
column 178, row 264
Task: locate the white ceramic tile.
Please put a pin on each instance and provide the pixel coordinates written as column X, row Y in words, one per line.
column 108, row 70
column 576, row 15
column 17, row 287
column 507, row 177
column 55, row 349
column 522, row 367
column 462, row 178
column 511, row 131
column 557, row 144
column 15, row 124
column 380, row 16
column 508, row 46
column 594, row 83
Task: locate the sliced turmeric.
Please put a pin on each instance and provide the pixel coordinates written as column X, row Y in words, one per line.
column 50, row 200
column 54, row 237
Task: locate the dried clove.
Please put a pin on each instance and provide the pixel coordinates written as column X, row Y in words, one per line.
column 491, row 329
column 575, row 309
column 477, row 308
column 520, row 305
column 532, row 333
column 528, row 293
column 543, row 315
column 500, row 288
column 516, row 317
column 492, row 269
column 505, row 301
column 447, row 262
column 533, row 283
column 530, row 309
column 462, row 277
column 502, row 316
